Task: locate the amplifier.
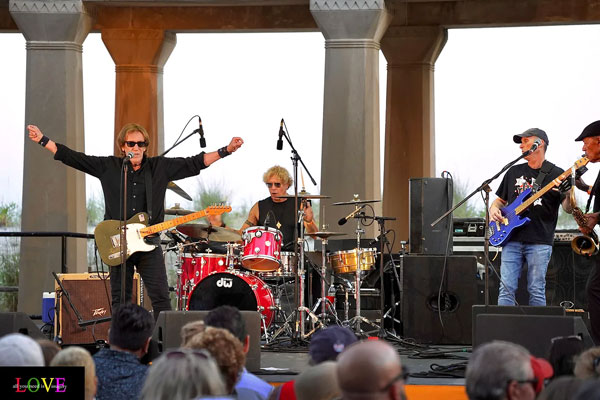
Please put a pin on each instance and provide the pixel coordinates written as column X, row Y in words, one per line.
column 90, row 295
column 469, row 226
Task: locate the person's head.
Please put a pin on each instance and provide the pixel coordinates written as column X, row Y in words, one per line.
column 371, row 369
column 326, row 344
column 226, row 349
column 591, row 141
column 563, row 351
column 501, row 370
column 278, row 181
column 182, row 375
column 527, row 138
column 133, row 138
column 131, row 328
column 78, row 357
column 230, row 319
column 191, row 329
column 49, row 349
column 18, row 350
column 587, row 364
column 561, row 388
column 318, row 382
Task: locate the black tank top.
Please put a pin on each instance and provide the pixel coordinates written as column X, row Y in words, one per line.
column 282, row 217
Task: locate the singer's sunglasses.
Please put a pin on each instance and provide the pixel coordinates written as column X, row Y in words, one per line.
column 132, row 144
column 271, row 184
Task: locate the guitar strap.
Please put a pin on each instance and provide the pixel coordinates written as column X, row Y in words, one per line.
column 148, row 182
column 545, row 170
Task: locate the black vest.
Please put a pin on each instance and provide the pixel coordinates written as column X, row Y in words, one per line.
column 281, row 216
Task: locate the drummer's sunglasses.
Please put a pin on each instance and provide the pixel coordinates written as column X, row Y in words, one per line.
column 139, row 144
column 277, row 184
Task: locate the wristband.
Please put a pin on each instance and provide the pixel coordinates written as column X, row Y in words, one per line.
column 223, row 152
column 44, row 140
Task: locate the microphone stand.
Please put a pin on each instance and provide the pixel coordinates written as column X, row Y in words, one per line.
column 123, row 235
column 486, row 243
column 299, row 277
column 179, row 142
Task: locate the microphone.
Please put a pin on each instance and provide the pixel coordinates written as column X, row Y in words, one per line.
column 347, row 217
column 378, row 238
column 534, row 146
column 129, row 156
column 279, row 141
column 201, row 132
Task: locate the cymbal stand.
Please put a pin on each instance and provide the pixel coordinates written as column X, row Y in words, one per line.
column 179, row 272
column 324, row 301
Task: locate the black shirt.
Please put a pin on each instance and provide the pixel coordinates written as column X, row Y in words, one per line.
column 543, row 212
column 161, row 171
column 283, row 217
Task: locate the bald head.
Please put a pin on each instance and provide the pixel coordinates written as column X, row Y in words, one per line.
column 368, row 370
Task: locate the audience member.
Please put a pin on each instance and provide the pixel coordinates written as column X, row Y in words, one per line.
column 18, row 350
column 78, row 357
column 589, row 390
column 326, row 344
column 318, row 382
column 561, row 388
column 563, row 351
column 501, row 370
column 587, row 365
column 227, row 352
column 230, row 319
column 183, row 374
column 189, row 330
column 120, row 373
column 371, row 370
column 49, row 349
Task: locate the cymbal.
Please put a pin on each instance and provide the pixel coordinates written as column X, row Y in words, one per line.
column 351, row 202
column 198, row 231
column 212, row 233
column 325, row 235
column 304, row 195
column 173, row 186
column 177, row 210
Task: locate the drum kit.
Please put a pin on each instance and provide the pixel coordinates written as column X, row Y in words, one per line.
column 219, row 266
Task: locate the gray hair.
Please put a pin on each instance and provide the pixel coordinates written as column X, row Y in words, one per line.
column 18, row 350
column 191, row 374
column 492, row 366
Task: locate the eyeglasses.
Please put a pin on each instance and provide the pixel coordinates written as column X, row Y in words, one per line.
column 276, row 184
column 139, row 144
column 402, row 375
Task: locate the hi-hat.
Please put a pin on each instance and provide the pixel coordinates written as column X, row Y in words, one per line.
column 325, row 235
column 212, row 233
column 347, row 203
column 177, row 210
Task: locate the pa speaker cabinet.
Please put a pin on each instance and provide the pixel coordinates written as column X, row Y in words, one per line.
column 429, row 198
column 90, row 295
column 167, row 332
column 19, row 322
column 534, row 332
column 438, row 293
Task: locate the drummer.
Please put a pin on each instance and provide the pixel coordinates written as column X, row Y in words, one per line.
column 275, row 212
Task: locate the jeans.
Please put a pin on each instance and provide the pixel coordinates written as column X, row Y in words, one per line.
column 514, row 254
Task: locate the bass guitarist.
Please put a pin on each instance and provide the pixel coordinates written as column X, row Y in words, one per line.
column 147, row 184
column 531, row 243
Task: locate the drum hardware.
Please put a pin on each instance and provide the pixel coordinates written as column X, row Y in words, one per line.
column 323, row 301
column 177, row 210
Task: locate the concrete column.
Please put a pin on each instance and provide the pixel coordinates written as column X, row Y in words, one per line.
column 53, row 195
column 139, row 56
column 411, row 53
column 350, row 155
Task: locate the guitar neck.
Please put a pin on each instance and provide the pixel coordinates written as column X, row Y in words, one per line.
column 555, row 182
column 163, row 226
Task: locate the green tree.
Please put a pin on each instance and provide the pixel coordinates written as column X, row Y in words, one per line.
column 474, row 208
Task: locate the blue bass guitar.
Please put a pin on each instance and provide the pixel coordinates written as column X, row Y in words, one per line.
column 501, row 231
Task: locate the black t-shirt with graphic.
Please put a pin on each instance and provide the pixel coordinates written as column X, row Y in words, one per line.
column 543, row 212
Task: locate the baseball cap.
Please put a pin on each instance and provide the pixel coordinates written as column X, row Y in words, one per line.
column 592, row 129
column 542, row 370
column 532, row 132
column 327, row 343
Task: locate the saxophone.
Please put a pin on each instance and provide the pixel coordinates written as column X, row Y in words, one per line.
column 585, row 245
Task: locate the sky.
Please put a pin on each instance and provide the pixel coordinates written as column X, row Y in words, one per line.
column 489, row 85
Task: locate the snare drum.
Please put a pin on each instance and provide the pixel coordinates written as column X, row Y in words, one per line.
column 262, row 248
column 197, row 266
column 346, row 261
column 287, row 268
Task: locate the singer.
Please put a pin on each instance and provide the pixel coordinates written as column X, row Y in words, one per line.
column 531, row 242
column 148, row 179
column 280, row 212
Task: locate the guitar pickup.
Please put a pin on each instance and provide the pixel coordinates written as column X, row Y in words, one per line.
column 497, row 225
column 505, row 221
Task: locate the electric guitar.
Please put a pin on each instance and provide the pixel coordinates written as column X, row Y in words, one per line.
column 108, row 235
column 501, row 231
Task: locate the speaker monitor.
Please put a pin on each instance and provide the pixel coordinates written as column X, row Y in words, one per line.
column 429, row 198
column 168, row 327
column 19, row 322
column 534, row 332
column 90, row 295
column 427, row 320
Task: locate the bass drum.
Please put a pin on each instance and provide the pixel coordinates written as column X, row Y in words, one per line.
column 233, row 288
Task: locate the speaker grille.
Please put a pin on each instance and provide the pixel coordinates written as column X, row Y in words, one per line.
column 90, row 295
